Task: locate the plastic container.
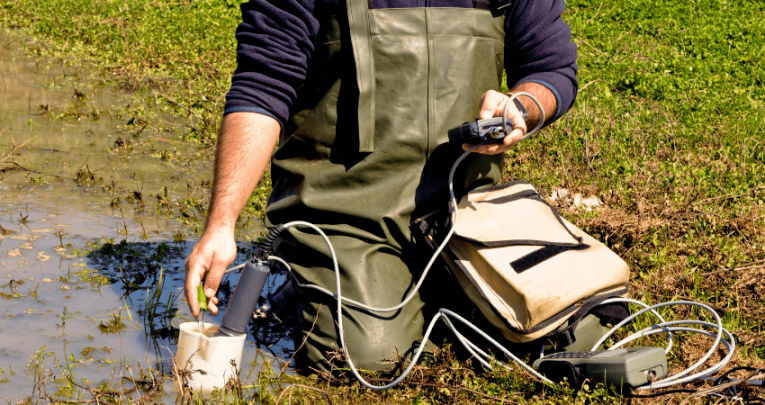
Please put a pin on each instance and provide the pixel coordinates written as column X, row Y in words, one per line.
column 208, row 353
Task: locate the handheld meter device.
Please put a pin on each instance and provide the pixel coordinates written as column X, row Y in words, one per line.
column 634, row 366
column 478, row 131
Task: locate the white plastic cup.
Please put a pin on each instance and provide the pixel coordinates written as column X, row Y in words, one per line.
column 208, row 359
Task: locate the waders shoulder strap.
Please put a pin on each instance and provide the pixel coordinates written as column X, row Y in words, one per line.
column 358, row 20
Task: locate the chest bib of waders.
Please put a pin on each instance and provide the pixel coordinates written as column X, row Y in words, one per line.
column 366, row 147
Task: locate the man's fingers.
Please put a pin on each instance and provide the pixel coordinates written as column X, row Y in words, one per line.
column 214, row 276
column 492, row 103
column 488, row 149
column 212, row 281
column 212, row 309
column 482, row 105
column 206, row 264
column 193, row 279
column 212, row 306
column 514, row 136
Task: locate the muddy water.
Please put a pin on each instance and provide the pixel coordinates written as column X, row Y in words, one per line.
column 96, row 209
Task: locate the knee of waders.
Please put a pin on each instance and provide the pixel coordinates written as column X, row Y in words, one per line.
column 378, row 344
column 313, row 357
column 374, row 344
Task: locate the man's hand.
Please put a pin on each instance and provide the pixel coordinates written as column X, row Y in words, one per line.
column 214, row 252
column 492, row 104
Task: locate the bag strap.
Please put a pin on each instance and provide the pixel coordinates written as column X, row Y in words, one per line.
column 558, row 217
column 533, row 195
column 609, row 313
column 523, row 242
column 511, row 197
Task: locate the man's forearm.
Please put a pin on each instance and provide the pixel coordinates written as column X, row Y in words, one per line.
column 545, row 97
column 245, row 144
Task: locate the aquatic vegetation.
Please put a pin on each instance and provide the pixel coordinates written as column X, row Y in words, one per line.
column 115, row 325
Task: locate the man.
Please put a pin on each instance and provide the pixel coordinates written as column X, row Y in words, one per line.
column 362, row 100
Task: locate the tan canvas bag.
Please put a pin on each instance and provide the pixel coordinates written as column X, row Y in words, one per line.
column 525, row 267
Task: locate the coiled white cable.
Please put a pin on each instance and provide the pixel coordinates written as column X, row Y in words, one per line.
column 483, row 357
column 668, row 327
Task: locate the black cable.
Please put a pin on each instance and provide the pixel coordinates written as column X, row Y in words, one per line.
column 728, row 393
column 267, row 245
column 733, row 391
column 724, row 378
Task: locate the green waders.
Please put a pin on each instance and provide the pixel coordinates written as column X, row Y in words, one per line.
column 366, row 151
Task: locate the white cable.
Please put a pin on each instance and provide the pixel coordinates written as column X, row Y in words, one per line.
column 497, row 345
column 234, row 268
column 662, row 327
column 513, row 96
column 668, row 327
column 476, row 352
column 660, row 305
column 483, row 357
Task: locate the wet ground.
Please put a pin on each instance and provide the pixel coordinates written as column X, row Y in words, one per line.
column 98, row 206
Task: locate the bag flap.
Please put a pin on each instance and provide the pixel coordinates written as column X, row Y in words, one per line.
column 511, row 215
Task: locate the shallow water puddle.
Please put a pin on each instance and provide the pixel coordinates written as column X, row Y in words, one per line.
column 85, row 174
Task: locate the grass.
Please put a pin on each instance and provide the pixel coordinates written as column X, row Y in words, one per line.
column 182, row 54
column 667, row 132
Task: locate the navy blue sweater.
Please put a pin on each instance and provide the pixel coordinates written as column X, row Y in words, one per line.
column 276, row 41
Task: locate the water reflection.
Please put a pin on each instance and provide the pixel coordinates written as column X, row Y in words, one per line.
column 95, row 213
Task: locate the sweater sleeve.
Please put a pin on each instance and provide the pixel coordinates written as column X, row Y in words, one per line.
column 275, row 42
column 538, row 49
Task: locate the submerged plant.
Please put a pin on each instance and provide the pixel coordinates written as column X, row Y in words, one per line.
column 114, row 325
